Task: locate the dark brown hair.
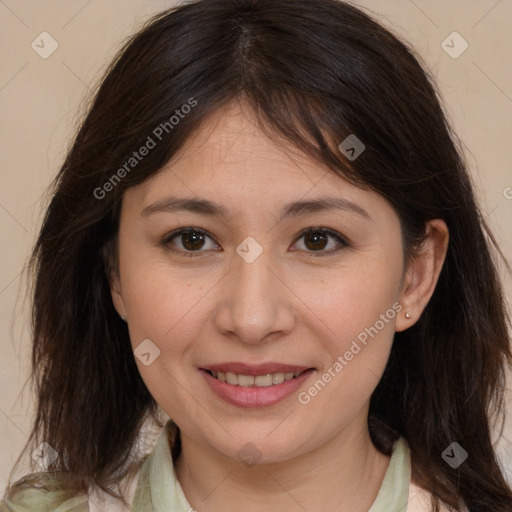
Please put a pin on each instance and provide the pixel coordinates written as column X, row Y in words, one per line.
column 314, row 72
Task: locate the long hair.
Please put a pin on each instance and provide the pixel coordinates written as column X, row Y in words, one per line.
column 314, row 72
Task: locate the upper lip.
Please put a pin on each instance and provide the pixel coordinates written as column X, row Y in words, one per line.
column 255, row 369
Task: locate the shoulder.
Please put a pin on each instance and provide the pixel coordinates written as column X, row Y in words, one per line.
column 420, row 501
column 41, row 492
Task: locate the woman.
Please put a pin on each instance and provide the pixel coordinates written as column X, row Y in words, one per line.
column 265, row 229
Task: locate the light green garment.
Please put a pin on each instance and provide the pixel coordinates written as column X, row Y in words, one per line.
column 158, row 489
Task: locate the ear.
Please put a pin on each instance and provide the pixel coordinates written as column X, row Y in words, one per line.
column 111, row 262
column 422, row 273
column 117, row 294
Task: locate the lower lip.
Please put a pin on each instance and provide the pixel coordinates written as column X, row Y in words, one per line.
column 254, row 396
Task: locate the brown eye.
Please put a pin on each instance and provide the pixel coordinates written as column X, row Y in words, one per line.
column 189, row 240
column 315, row 240
column 323, row 241
column 192, row 241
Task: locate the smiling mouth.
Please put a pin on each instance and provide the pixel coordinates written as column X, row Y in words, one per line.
column 260, row 381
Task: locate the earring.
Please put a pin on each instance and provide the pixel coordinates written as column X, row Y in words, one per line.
column 123, row 317
column 407, row 315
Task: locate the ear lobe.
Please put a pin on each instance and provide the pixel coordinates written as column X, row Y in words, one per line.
column 423, row 273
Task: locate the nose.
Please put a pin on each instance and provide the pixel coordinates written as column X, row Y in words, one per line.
column 256, row 305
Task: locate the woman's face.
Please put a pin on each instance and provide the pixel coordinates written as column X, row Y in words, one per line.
column 286, row 267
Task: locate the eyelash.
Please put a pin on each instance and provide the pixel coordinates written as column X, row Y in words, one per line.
column 334, row 234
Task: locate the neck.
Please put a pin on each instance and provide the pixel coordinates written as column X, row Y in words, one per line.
column 344, row 474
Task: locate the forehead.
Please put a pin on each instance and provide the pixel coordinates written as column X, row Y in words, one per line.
column 232, row 138
column 231, row 160
column 230, row 149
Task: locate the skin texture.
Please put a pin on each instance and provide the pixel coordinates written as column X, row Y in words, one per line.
column 290, row 305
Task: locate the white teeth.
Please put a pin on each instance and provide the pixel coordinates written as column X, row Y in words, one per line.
column 245, row 380
column 277, row 378
column 231, row 378
column 260, row 381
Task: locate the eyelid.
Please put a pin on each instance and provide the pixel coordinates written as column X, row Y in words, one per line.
column 331, row 232
column 189, row 229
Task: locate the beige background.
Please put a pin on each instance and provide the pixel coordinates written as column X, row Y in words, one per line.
column 39, row 99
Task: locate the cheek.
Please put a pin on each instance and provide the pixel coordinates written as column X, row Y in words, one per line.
column 167, row 310
column 355, row 313
column 163, row 302
column 351, row 300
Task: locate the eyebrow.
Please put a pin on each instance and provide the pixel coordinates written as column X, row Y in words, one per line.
column 207, row 207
